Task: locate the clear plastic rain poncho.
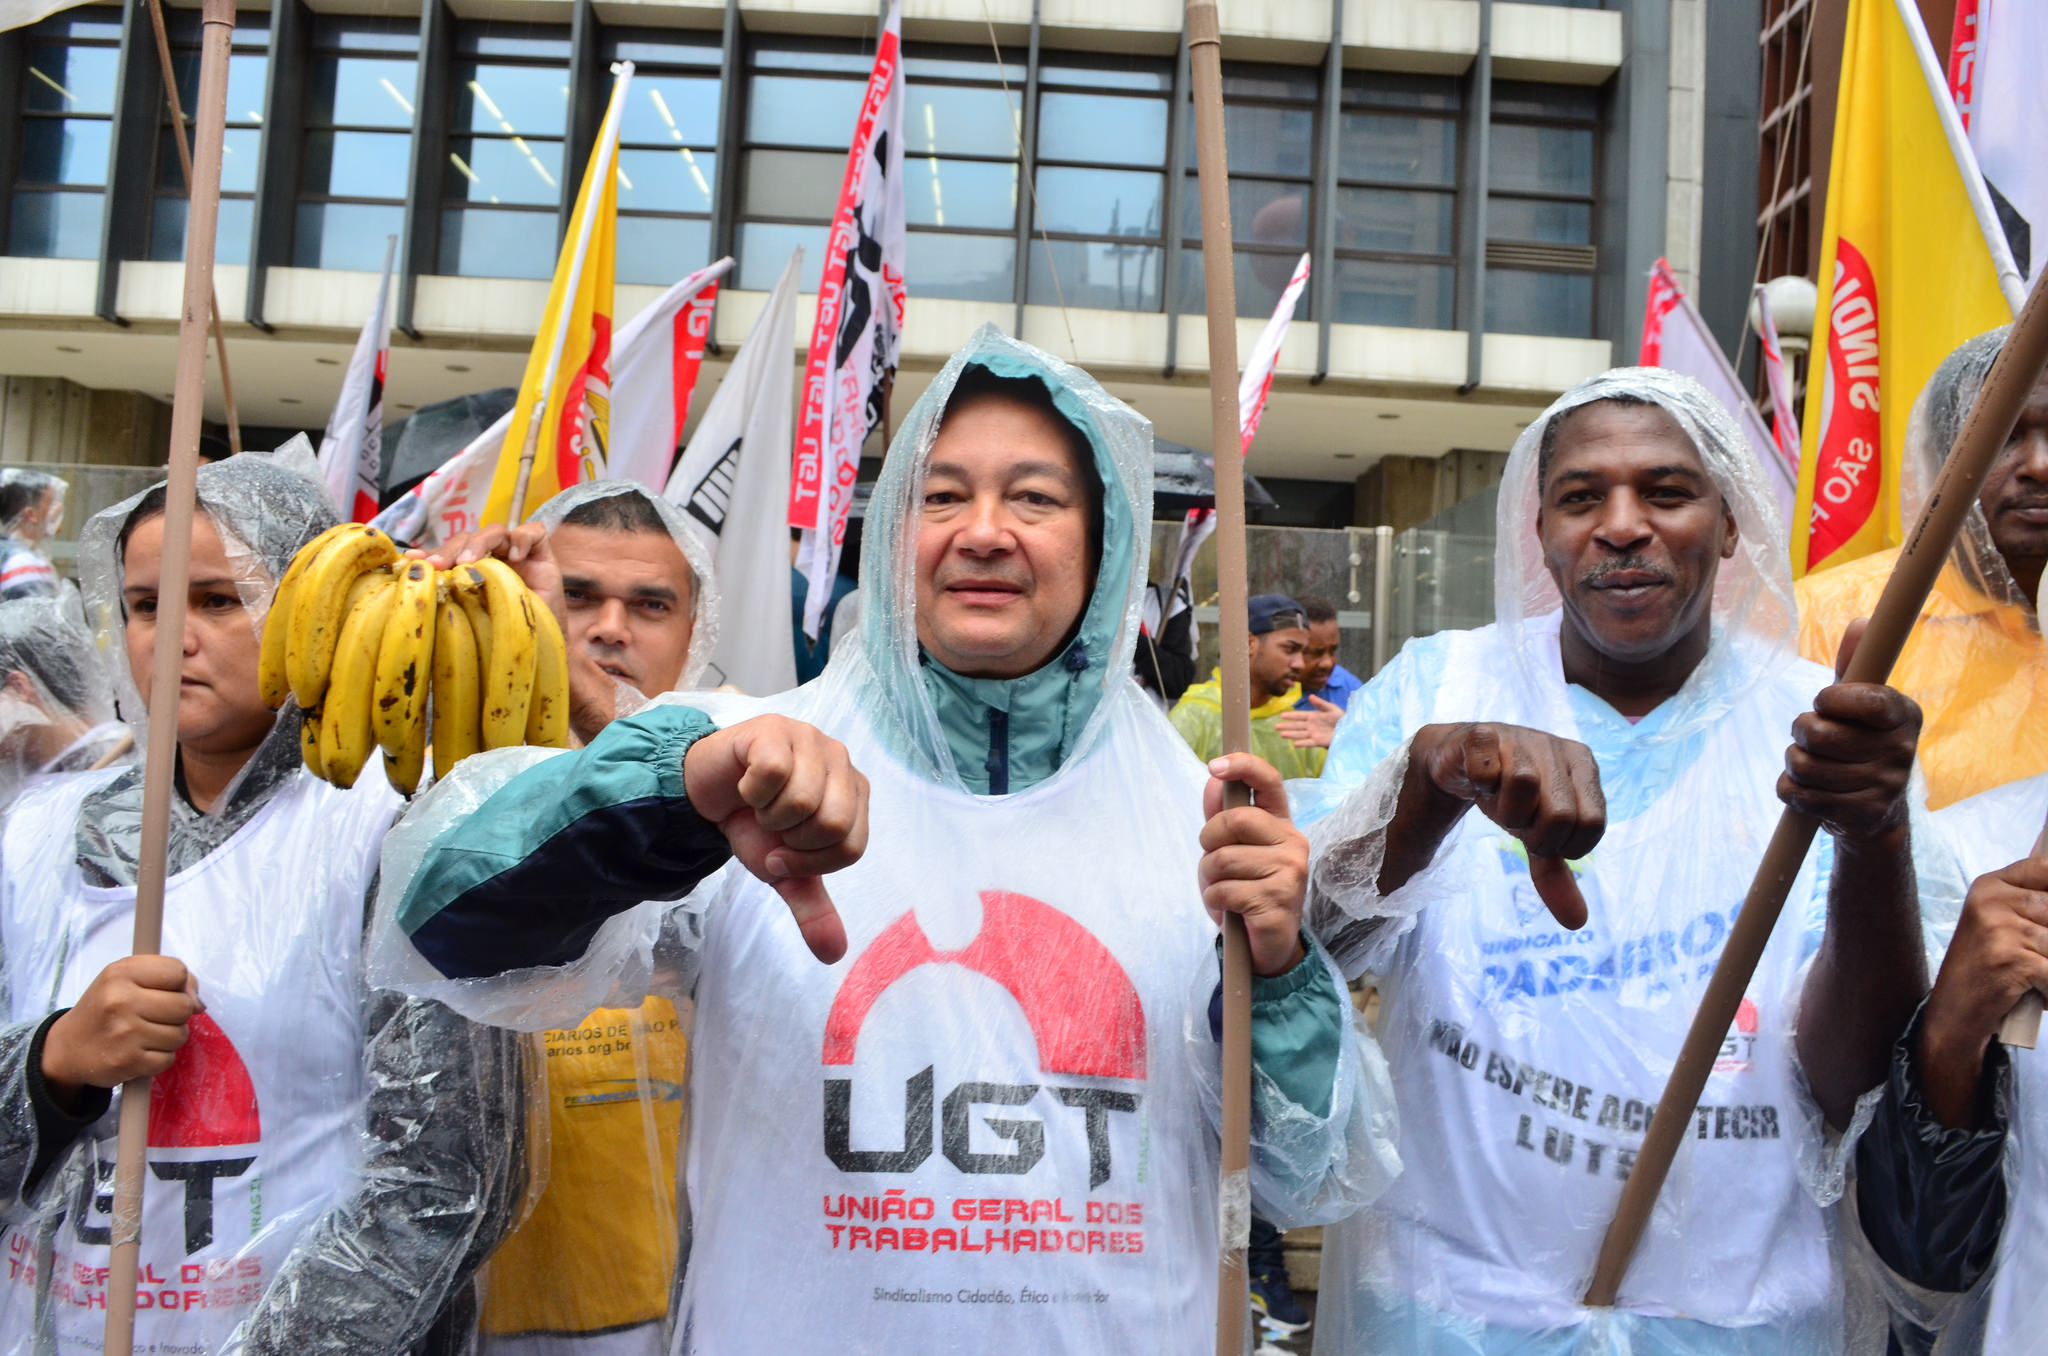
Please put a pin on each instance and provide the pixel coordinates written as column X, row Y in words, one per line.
column 56, row 705
column 992, row 1123
column 327, row 1165
column 596, row 1257
column 31, row 510
column 1975, row 662
column 1526, row 1058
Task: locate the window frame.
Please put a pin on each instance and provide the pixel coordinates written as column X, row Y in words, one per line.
column 1355, row 98
column 40, row 35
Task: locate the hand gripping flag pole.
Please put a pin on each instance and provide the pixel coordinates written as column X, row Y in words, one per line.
column 1927, row 547
column 1226, row 441
column 217, row 28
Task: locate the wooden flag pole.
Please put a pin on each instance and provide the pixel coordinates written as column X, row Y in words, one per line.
column 1205, row 58
column 217, row 28
column 1927, row 548
column 220, row 345
column 2022, row 1026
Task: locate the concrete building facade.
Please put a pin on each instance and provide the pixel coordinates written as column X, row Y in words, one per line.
column 1482, row 187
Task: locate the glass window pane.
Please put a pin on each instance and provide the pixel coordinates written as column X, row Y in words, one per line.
column 959, row 120
column 247, row 74
column 1400, row 91
column 1397, row 149
column 504, row 170
column 497, row 243
column 528, row 100
column 919, row 67
column 662, row 49
column 1269, row 82
column 660, row 250
column 231, row 241
column 794, row 110
column 1260, row 279
column 666, row 181
column 1516, row 99
column 357, row 164
column 792, row 184
column 960, row 193
column 64, row 150
column 1096, row 275
column 90, row 24
column 1412, row 296
column 518, row 40
column 1100, row 202
column 671, row 109
column 1263, row 140
column 1261, row 212
column 1524, row 301
column 1566, row 223
column 344, row 234
column 70, row 79
column 362, row 92
column 1390, row 219
column 366, row 35
column 963, row 267
column 1102, row 128
column 1541, row 159
column 240, row 150
column 55, row 225
column 1109, row 72
column 763, row 251
column 814, row 57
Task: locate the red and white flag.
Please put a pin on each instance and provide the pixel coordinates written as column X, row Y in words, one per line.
column 858, row 334
column 1778, row 378
column 1675, row 336
column 352, row 449
column 1257, row 381
column 654, row 373
column 1994, row 71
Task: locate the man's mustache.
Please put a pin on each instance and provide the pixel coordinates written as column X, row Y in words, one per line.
column 1598, row 575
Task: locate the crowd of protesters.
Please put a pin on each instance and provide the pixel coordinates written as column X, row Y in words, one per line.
column 882, row 1014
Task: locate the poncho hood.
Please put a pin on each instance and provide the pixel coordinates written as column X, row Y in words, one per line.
column 940, row 721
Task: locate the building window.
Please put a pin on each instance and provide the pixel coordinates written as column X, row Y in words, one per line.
column 1101, row 183
column 1397, row 202
column 358, row 149
column 961, row 144
column 248, row 74
column 70, row 68
column 1539, row 211
column 1269, row 116
column 505, row 143
column 668, row 152
column 803, row 99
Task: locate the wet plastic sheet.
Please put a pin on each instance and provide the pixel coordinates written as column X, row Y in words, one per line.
column 326, row 1166
column 1526, row 1059
column 31, row 510
column 988, row 1124
column 1975, row 661
column 56, row 704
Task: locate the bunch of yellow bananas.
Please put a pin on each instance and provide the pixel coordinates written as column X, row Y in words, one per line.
column 362, row 638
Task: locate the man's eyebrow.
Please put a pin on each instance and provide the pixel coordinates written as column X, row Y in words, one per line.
column 659, row 592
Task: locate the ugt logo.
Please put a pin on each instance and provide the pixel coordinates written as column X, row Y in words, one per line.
column 1082, row 1009
column 203, row 1103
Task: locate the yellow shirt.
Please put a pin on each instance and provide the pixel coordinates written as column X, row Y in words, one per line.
column 1978, row 669
column 599, row 1250
column 1198, row 715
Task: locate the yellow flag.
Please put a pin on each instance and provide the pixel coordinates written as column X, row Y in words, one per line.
column 1906, row 274
column 564, row 405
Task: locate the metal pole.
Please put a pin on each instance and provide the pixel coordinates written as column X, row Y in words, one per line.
column 1927, row 547
column 167, row 663
column 220, row 346
column 1479, row 141
column 1205, row 65
column 1323, row 291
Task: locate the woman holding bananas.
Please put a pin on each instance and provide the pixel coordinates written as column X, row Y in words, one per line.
column 327, row 1165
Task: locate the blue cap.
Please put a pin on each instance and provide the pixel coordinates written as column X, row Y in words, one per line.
column 1275, row 612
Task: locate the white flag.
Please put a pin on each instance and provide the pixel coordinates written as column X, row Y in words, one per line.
column 857, row 337
column 1784, row 419
column 451, row 500
column 733, row 484
column 352, row 449
column 654, row 371
column 1994, row 71
column 1257, row 380
column 1675, row 336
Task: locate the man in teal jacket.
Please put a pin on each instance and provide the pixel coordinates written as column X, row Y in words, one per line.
column 989, row 1117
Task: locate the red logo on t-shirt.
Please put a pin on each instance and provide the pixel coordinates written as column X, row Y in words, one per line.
column 1082, row 1007
column 206, row 1097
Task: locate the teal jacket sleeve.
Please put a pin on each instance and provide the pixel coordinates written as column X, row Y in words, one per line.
column 530, row 877
column 1298, row 1025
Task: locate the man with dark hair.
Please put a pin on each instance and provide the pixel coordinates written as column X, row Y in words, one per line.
column 1535, row 836
column 1326, row 685
column 1279, row 639
column 980, row 1122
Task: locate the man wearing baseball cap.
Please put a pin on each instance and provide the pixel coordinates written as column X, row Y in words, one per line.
column 1279, row 643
